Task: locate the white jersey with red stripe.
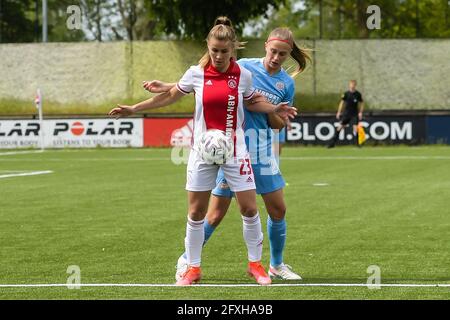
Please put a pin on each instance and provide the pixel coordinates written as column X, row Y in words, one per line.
column 219, row 100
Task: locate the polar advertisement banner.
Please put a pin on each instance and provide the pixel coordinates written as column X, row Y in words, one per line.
column 71, row 133
column 316, row 130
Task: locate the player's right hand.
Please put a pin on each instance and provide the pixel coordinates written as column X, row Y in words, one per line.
column 285, row 111
column 289, row 125
column 338, row 115
column 121, row 111
column 155, row 86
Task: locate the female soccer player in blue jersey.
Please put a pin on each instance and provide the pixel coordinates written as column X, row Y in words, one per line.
column 276, row 85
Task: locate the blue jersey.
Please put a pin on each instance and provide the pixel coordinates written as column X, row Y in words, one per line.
column 276, row 88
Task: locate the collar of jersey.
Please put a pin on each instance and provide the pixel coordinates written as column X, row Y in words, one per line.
column 212, row 69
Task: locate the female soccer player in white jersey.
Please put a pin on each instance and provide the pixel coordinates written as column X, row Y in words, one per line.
column 273, row 82
column 220, row 86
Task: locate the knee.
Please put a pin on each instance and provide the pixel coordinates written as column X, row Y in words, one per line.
column 214, row 217
column 249, row 210
column 277, row 213
column 196, row 214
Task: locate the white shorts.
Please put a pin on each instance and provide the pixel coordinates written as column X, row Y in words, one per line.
column 202, row 176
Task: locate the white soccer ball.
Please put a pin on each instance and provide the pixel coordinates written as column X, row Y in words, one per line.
column 215, row 147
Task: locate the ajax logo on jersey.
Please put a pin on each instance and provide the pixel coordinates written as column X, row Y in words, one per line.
column 232, row 84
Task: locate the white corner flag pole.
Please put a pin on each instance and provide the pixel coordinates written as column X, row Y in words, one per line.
column 38, row 102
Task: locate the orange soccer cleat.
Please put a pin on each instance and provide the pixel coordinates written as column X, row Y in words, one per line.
column 256, row 270
column 192, row 275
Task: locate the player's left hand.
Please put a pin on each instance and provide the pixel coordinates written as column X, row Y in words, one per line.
column 156, row 86
column 360, row 116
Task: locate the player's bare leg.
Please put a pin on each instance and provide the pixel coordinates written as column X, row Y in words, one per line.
column 276, row 229
column 218, row 207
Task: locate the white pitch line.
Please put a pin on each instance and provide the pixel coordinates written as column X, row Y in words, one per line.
column 370, row 158
column 157, row 285
column 23, row 174
column 19, row 152
column 86, row 159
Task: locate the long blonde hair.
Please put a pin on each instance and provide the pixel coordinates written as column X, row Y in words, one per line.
column 300, row 55
column 222, row 30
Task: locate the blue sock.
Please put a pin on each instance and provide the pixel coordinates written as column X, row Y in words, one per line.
column 277, row 238
column 209, row 229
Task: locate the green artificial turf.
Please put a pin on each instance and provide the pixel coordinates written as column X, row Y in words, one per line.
column 120, row 215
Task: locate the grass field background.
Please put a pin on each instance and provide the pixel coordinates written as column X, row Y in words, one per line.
column 120, row 216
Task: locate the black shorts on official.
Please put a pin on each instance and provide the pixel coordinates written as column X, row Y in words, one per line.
column 347, row 118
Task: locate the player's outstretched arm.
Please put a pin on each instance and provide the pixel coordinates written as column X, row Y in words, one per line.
column 157, row 86
column 282, row 109
column 275, row 121
column 161, row 100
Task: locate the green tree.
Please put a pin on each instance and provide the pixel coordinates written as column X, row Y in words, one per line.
column 97, row 15
column 337, row 19
column 121, row 20
column 192, row 19
column 21, row 21
column 138, row 19
column 16, row 21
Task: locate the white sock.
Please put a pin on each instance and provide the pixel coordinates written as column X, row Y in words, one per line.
column 253, row 237
column 195, row 235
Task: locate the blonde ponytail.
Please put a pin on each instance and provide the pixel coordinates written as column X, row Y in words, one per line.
column 222, row 30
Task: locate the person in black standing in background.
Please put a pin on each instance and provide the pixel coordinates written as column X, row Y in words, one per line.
column 354, row 106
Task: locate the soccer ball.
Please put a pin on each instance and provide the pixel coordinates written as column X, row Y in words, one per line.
column 215, row 147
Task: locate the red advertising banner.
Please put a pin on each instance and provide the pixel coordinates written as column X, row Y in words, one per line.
column 166, row 132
